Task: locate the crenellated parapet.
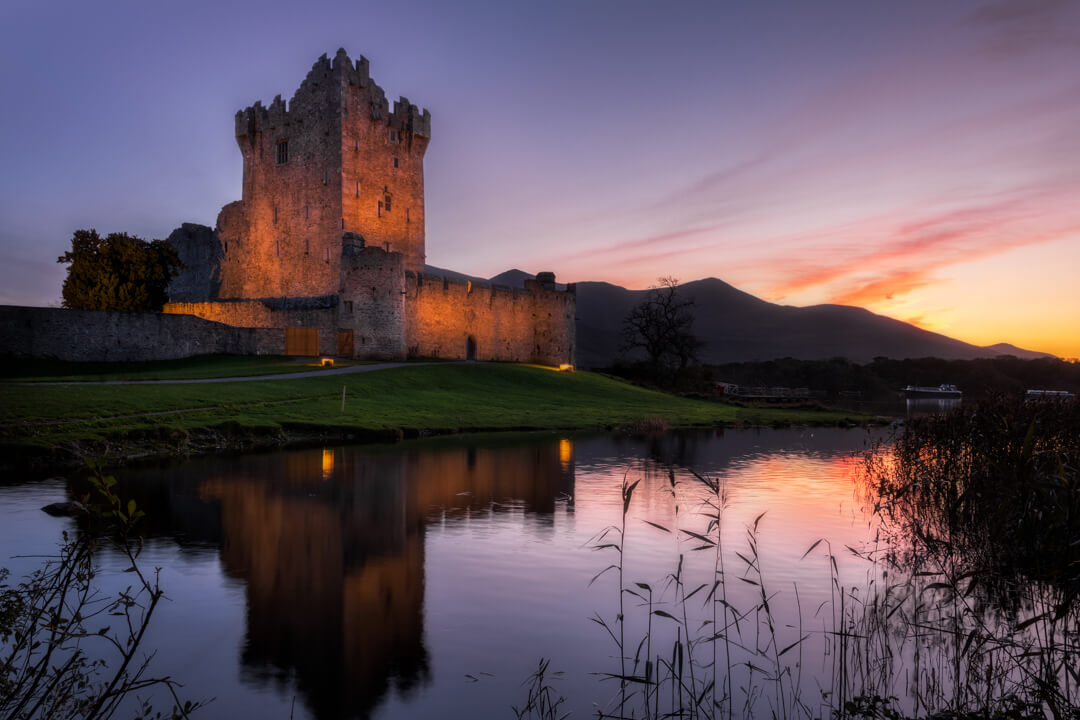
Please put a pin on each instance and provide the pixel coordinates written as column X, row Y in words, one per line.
column 409, row 117
column 328, row 83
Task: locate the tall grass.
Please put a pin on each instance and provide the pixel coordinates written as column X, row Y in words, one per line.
column 969, row 607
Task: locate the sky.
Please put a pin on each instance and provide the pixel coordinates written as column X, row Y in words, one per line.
column 917, row 158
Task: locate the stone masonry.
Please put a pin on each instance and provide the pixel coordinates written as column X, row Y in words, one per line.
column 329, row 235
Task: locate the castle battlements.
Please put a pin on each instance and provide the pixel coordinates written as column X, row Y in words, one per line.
column 327, row 84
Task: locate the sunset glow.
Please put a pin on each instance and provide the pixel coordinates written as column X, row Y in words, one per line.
column 919, row 159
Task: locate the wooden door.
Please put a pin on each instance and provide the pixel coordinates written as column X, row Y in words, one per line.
column 345, row 343
column 301, row 341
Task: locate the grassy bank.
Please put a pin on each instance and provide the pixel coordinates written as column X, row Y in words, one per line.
column 57, row 423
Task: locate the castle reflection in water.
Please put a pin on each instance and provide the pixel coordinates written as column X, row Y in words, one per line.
column 329, row 546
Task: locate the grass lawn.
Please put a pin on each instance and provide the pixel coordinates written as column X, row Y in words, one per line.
column 203, row 366
column 435, row 398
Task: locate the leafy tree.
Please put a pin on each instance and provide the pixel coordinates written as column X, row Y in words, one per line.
column 663, row 326
column 119, row 272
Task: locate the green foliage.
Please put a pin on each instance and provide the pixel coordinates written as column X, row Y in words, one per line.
column 67, row 649
column 119, row 272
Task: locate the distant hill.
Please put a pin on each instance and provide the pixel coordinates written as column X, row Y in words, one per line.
column 737, row 327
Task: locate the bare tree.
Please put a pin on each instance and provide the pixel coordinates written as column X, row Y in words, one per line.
column 67, row 649
column 663, row 326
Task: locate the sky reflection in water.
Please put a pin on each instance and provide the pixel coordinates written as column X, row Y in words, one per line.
column 427, row 579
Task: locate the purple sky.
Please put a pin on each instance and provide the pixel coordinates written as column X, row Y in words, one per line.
column 921, row 159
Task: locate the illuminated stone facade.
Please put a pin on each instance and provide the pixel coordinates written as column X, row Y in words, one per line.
column 329, row 235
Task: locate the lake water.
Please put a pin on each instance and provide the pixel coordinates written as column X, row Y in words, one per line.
column 428, row 578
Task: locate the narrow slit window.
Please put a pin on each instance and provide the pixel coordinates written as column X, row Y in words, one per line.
column 386, row 202
column 307, row 246
column 282, row 152
column 393, row 136
column 395, row 162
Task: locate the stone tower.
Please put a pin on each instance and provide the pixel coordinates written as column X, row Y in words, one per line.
column 336, row 160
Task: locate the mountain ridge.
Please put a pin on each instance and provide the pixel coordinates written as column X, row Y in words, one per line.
column 737, row 326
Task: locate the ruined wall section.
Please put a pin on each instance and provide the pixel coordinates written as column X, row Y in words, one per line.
column 281, row 241
column 382, row 160
column 373, row 300
column 504, row 324
column 201, row 253
column 108, row 336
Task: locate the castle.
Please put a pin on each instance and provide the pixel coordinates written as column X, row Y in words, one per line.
column 327, row 242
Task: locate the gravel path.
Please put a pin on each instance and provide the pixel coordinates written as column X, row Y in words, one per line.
column 246, row 378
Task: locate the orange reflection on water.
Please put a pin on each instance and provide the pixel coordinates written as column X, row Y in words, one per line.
column 566, row 453
column 327, row 463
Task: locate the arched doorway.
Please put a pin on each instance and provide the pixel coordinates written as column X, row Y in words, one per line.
column 470, row 348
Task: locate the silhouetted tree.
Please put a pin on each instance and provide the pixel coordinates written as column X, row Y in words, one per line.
column 119, row 272
column 663, row 326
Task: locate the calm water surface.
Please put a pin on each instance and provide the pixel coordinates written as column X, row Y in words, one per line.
column 427, row 579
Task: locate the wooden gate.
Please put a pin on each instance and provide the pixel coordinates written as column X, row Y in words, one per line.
column 301, row 341
column 345, row 343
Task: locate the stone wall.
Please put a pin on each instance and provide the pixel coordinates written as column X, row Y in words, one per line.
column 448, row 319
column 334, row 158
column 373, row 300
column 279, row 313
column 99, row 335
column 201, row 253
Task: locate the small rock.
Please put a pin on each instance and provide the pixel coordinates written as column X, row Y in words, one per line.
column 62, row 509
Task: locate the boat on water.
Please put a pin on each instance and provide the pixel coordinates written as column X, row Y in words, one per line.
column 941, row 392
column 1033, row 395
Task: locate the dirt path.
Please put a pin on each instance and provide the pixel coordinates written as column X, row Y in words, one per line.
column 243, row 378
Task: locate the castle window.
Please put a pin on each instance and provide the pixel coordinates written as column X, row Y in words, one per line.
column 307, row 246
column 282, row 152
column 387, row 245
column 275, row 214
column 326, row 177
column 407, row 215
column 393, row 136
column 395, row 162
column 380, row 208
column 348, row 307
column 373, row 292
column 326, row 255
column 356, row 145
column 386, row 202
column 357, row 188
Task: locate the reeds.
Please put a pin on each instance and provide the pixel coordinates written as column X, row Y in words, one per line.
column 969, row 606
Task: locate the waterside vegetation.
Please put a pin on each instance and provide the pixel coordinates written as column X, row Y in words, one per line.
column 970, row 607
column 70, row 648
